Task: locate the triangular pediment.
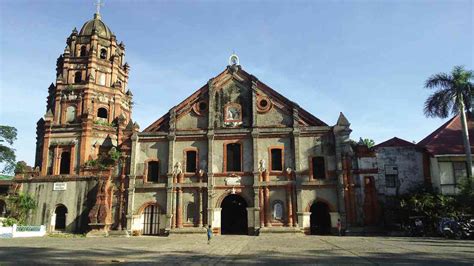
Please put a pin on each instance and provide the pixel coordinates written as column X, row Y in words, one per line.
column 234, row 88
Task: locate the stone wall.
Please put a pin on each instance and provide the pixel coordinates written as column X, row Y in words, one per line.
column 78, row 198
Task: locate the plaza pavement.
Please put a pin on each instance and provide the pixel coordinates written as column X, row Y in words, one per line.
column 278, row 249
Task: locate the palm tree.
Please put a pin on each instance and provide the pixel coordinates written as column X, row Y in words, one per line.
column 453, row 96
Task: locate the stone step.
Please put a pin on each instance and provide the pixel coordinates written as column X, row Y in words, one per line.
column 188, row 230
column 365, row 231
column 280, row 230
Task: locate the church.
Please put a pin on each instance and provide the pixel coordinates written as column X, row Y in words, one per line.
column 235, row 155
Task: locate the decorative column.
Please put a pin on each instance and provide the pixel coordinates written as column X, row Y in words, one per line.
column 267, row 206
column 56, row 160
column 173, row 217
column 289, row 205
column 262, row 207
column 200, row 191
column 179, row 209
column 72, row 169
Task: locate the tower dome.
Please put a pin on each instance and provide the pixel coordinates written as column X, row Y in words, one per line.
column 98, row 25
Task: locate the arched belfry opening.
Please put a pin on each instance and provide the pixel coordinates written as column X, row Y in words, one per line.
column 320, row 218
column 234, row 215
column 65, row 165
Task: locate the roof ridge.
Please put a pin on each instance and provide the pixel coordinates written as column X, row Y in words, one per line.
column 435, row 134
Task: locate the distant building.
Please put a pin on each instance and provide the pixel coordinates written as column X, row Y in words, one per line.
column 400, row 166
column 447, row 159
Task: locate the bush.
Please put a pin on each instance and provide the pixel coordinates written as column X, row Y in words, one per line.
column 9, row 221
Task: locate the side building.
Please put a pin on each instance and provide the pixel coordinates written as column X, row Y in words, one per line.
column 447, row 157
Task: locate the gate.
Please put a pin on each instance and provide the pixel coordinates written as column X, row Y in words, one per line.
column 151, row 220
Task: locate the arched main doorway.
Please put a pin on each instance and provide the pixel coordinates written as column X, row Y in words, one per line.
column 320, row 219
column 60, row 222
column 151, row 220
column 234, row 215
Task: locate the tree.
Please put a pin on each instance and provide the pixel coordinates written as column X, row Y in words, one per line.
column 22, row 167
column 452, row 96
column 20, row 206
column 367, row 142
column 7, row 153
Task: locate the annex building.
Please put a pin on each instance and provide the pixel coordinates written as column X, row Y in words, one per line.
column 235, row 155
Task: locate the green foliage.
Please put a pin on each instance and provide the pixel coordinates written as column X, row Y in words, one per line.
column 20, row 206
column 101, row 122
column 9, row 221
column 367, row 142
column 424, row 201
column 465, row 197
column 69, row 88
column 452, row 90
column 7, row 153
column 22, row 167
column 105, row 160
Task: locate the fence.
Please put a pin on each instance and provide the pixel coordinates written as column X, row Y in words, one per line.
column 22, row 231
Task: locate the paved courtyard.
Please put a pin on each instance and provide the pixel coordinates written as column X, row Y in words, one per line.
column 279, row 249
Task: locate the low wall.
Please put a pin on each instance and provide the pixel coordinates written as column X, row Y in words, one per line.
column 22, row 231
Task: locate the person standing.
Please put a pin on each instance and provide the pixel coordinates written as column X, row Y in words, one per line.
column 339, row 226
column 209, row 235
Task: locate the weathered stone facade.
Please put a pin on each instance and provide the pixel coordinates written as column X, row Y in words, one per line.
column 235, row 155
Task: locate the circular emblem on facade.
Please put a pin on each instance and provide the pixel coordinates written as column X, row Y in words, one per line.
column 263, row 104
column 200, row 107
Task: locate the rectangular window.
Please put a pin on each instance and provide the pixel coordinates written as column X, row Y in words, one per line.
column 191, row 161
column 447, row 179
column 319, row 169
column 153, row 171
column 277, row 159
column 460, row 171
column 391, row 175
column 234, row 158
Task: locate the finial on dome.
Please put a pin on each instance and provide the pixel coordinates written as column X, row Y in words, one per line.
column 98, row 4
column 234, row 60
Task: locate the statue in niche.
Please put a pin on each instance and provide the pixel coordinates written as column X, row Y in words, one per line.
column 233, row 113
column 178, row 172
column 177, row 168
column 261, row 166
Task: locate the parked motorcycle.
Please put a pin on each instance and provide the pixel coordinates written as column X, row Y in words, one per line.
column 457, row 229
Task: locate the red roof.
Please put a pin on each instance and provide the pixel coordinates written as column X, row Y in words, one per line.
column 395, row 142
column 448, row 139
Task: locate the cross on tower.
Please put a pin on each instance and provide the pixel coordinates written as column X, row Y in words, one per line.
column 98, row 4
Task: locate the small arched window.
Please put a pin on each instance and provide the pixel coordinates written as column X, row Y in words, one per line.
column 102, row 113
column 83, row 51
column 153, row 171
column 78, row 77
column 103, row 53
column 278, row 210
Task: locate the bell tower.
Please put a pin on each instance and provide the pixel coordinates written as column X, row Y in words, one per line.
column 89, row 105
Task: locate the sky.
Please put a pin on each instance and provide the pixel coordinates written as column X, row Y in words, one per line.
column 367, row 59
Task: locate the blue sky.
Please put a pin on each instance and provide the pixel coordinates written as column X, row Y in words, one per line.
column 367, row 59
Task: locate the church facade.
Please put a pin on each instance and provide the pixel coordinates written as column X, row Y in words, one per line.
column 235, row 155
